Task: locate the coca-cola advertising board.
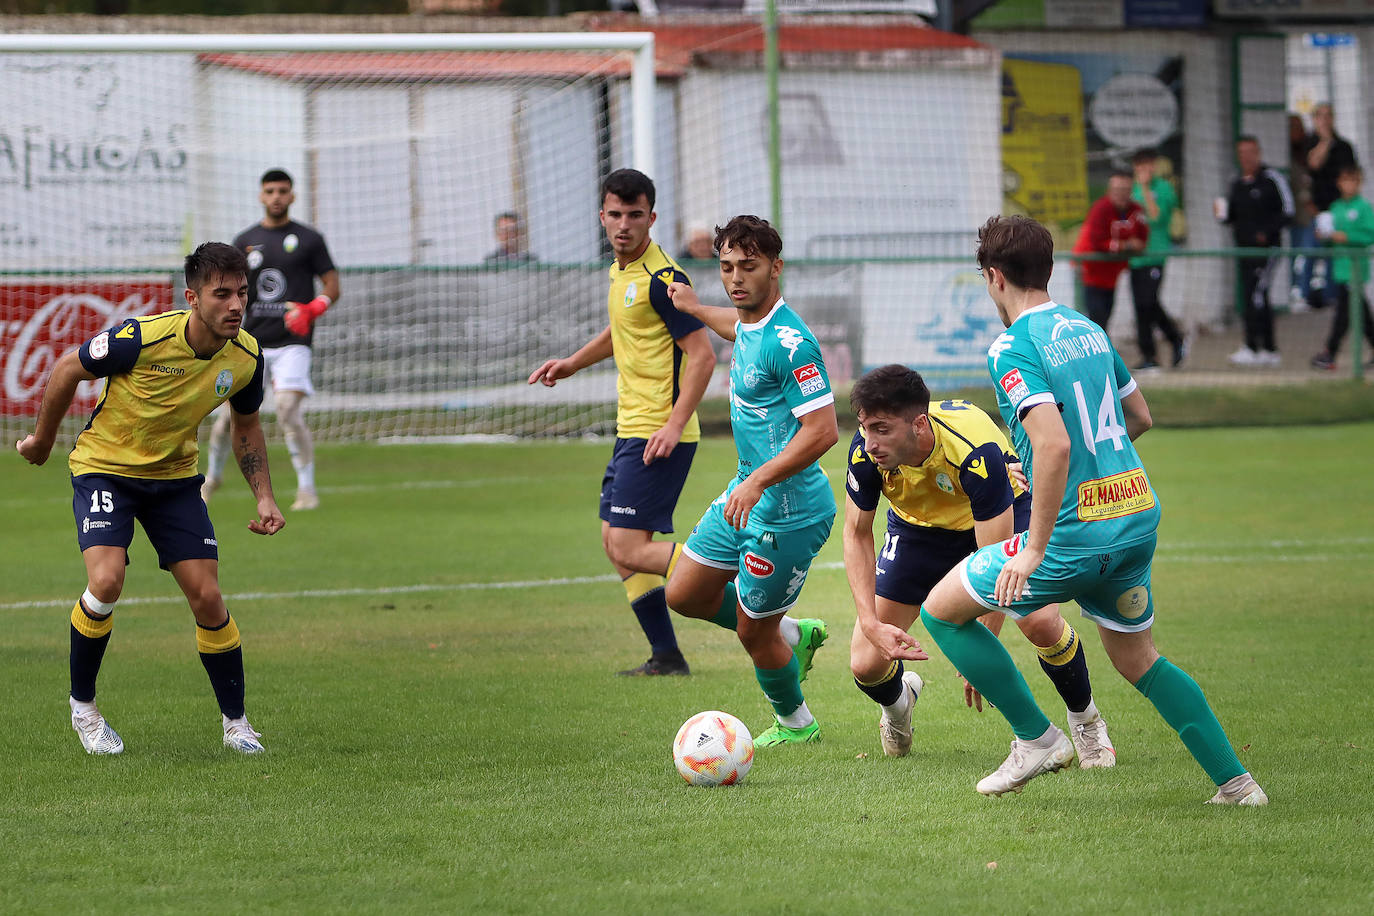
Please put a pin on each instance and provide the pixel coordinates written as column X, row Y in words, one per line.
column 41, row 321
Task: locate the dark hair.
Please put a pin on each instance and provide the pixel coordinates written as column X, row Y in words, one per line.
column 893, row 389
column 628, row 185
column 750, row 235
column 1020, row 248
column 1351, row 169
column 1247, row 138
column 1144, row 155
column 506, row 214
column 214, row 260
column 276, row 175
column 1122, row 173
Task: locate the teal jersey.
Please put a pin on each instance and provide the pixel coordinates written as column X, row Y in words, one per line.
column 1355, row 218
column 777, row 376
column 1053, row 355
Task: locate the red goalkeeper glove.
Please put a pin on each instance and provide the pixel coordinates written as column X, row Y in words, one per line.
column 300, row 316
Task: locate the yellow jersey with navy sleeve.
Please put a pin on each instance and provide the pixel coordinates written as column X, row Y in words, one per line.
column 645, row 329
column 156, row 393
column 963, row 479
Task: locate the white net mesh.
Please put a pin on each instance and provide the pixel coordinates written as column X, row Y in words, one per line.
column 896, row 143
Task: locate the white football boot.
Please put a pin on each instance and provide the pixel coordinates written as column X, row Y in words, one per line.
column 1243, row 790
column 95, row 733
column 896, row 733
column 1092, row 744
column 1027, row 761
column 240, row 736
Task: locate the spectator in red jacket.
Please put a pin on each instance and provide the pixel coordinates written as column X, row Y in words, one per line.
column 1115, row 224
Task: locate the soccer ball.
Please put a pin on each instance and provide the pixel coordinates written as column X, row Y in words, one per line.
column 713, row 749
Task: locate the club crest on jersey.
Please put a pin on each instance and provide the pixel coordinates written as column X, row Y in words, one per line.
column 100, row 345
column 809, row 379
column 223, row 382
column 758, row 567
column 790, row 338
column 290, row 243
column 631, row 294
column 752, row 376
column 254, row 258
column 943, row 482
column 1014, row 385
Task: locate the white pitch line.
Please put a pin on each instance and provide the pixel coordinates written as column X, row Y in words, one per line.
column 1173, row 555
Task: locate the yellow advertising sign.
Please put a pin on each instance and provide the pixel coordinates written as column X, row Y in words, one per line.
column 1044, row 147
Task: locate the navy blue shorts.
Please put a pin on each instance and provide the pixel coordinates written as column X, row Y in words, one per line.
column 640, row 496
column 914, row 557
column 171, row 512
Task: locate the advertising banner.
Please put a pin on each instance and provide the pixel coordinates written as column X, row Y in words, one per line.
column 41, row 321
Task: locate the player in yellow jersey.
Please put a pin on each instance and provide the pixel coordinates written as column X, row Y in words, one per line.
column 664, row 360
column 943, row 469
column 136, row 460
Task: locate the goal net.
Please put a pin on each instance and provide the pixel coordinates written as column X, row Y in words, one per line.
column 120, row 154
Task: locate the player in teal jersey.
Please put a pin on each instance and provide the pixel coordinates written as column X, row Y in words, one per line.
column 1074, row 411
column 775, row 515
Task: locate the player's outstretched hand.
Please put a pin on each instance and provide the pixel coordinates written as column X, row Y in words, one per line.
column 894, row 642
column 552, row 371
column 683, row 296
column 34, row 451
column 270, row 519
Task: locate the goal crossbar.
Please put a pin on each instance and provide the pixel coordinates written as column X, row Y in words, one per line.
column 642, row 74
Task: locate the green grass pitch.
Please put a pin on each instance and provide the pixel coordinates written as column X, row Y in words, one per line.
column 430, row 658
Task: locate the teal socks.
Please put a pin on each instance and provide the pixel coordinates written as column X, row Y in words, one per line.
column 980, row 657
column 1182, row 704
column 781, row 688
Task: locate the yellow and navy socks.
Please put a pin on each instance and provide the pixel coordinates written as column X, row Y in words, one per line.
column 90, row 634
column 1067, row 667
column 645, row 592
column 222, row 655
column 887, row 689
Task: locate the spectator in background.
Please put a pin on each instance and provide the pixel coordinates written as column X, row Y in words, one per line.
column 1327, row 153
column 1158, row 199
column 700, row 245
column 1115, row 224
column 510, row 242
column 1350, row 221
column 1257, row 206
column 1306, row 290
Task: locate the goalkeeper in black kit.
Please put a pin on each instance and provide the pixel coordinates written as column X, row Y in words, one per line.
column 284, row 259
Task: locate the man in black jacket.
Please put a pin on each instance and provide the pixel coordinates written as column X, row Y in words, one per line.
column 1257, row 207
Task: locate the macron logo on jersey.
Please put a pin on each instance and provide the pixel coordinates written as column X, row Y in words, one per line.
column 809, row 379
column 1014, row 386
column 999, row 346
column 790, row 338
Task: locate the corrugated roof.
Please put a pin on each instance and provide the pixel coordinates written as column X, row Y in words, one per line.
column 676, row 47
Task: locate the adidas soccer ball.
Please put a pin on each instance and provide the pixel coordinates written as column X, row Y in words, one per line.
column 713, row 749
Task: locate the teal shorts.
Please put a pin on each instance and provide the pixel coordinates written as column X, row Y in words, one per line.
column 1113, row 589
column 771, row 565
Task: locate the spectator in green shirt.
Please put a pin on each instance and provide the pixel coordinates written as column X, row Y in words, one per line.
column 1160, row 201
column 1349, row 222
